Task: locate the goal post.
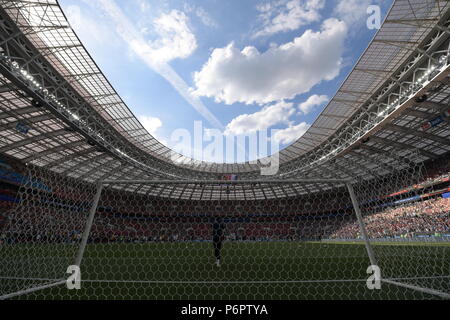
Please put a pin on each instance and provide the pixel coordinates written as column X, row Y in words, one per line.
column 153, row 239
column 41, row 234
column 362, row 227
column 89, row 222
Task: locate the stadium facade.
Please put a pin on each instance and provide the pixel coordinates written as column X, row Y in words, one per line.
column 77, row 168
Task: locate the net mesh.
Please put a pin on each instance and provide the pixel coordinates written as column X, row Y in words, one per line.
column 141, row 246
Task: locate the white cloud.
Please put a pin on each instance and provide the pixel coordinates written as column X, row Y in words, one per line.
column 205, row 18
column 202, row 14
column 291, row 134
column 314, row 100
column 151, row 124
column 281, row 16
column 353, row 11
column 175, row 39
column 137, row 44
column 144, row 5
column 83, row 23
column 282, row 72
column 261, row 120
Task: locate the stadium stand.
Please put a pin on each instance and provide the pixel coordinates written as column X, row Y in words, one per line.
column 396, row 217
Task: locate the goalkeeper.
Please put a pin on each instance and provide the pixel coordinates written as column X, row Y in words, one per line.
column 218, row 236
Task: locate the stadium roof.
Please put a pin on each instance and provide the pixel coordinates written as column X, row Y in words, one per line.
column 59, row 112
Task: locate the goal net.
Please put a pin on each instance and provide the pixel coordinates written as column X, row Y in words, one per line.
column 292, row 239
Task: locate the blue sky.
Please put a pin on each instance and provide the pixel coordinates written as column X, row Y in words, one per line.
column 237, row 66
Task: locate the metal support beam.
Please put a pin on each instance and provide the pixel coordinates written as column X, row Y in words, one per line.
column 403, row 146
column 6, row 88
column 168, row 182
column 437, row 107
column 43, row 154
column 421, row 134
column 33, row 139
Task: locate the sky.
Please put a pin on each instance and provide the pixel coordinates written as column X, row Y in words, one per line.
column 239, row 67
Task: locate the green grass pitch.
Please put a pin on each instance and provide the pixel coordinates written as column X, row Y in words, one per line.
column 249, row 270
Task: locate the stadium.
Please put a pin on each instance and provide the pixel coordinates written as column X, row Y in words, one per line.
column 84, row 186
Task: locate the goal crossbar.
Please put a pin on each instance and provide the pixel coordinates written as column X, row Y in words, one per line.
column 288, row 181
